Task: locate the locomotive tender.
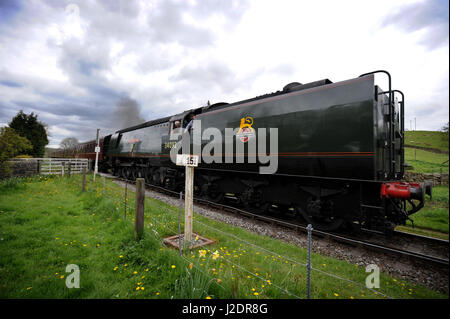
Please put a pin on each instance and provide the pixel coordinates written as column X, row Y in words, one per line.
column 340, row 154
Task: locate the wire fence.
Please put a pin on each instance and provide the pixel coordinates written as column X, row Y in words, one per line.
column 166, row 223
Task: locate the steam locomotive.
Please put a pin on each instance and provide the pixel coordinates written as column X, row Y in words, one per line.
column 340, row 154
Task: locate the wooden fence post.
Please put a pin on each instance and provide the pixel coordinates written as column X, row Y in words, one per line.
column 83, row 180
column 140, row 202
column 69, row 169
column 63, row 166
column 188, row 204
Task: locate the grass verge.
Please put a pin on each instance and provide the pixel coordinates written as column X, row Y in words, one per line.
column 47, row 223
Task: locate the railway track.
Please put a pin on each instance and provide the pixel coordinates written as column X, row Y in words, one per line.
column 396, row 247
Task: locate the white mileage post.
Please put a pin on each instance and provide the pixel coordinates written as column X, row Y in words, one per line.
column 190, row 161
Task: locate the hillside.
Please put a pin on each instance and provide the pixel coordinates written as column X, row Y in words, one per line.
column 427, row 139
column 426, row 151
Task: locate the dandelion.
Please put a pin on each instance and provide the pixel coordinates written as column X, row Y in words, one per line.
column 202, row 253
column 215, row 255
column 121, row 256
column 196, row 238
column 208, row 297
column 173, row 266
column 84, row 245
column 336, row 294
column 115, row 268
column 256, row 294
column 62, row 277
column 142, row 288
column 253, row 289
column 135, row 272
column 29, row 288
column 249, row 276
column 157, row 293
column 126, row 265
column 137, row 288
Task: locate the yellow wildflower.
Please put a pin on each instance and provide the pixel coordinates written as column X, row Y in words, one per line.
column 202, row 253
column 173, row 266
column 208, row 297
column 215, row 255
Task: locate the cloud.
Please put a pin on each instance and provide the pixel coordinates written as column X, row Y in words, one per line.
column 430, row 16
column 81, row 65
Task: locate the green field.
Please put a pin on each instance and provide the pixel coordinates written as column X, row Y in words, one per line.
column 425, row 161
column 429, row 139
column 48, row 223
column 433, row 219
column 430, row 160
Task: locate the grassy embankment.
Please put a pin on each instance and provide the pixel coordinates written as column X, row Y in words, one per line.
column 433, row 219
column 48, row 223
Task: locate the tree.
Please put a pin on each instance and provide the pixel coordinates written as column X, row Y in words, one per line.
column 445, row 130
column 68, row 143
column 11, row 144
column 28, row 126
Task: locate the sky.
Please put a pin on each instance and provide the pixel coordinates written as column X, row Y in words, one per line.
column 83, row 65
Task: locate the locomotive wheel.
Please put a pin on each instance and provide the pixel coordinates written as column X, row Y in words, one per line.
column 156, row 179
column 148, row 175
column 212, row 192
column 139, row 172
column 324, row 224
column 132, row 173
column 123, row 172
column 215, row 197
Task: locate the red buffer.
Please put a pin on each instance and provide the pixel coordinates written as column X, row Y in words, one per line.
column 403, row 190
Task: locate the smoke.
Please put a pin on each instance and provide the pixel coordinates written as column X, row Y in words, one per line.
column 127, row 113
